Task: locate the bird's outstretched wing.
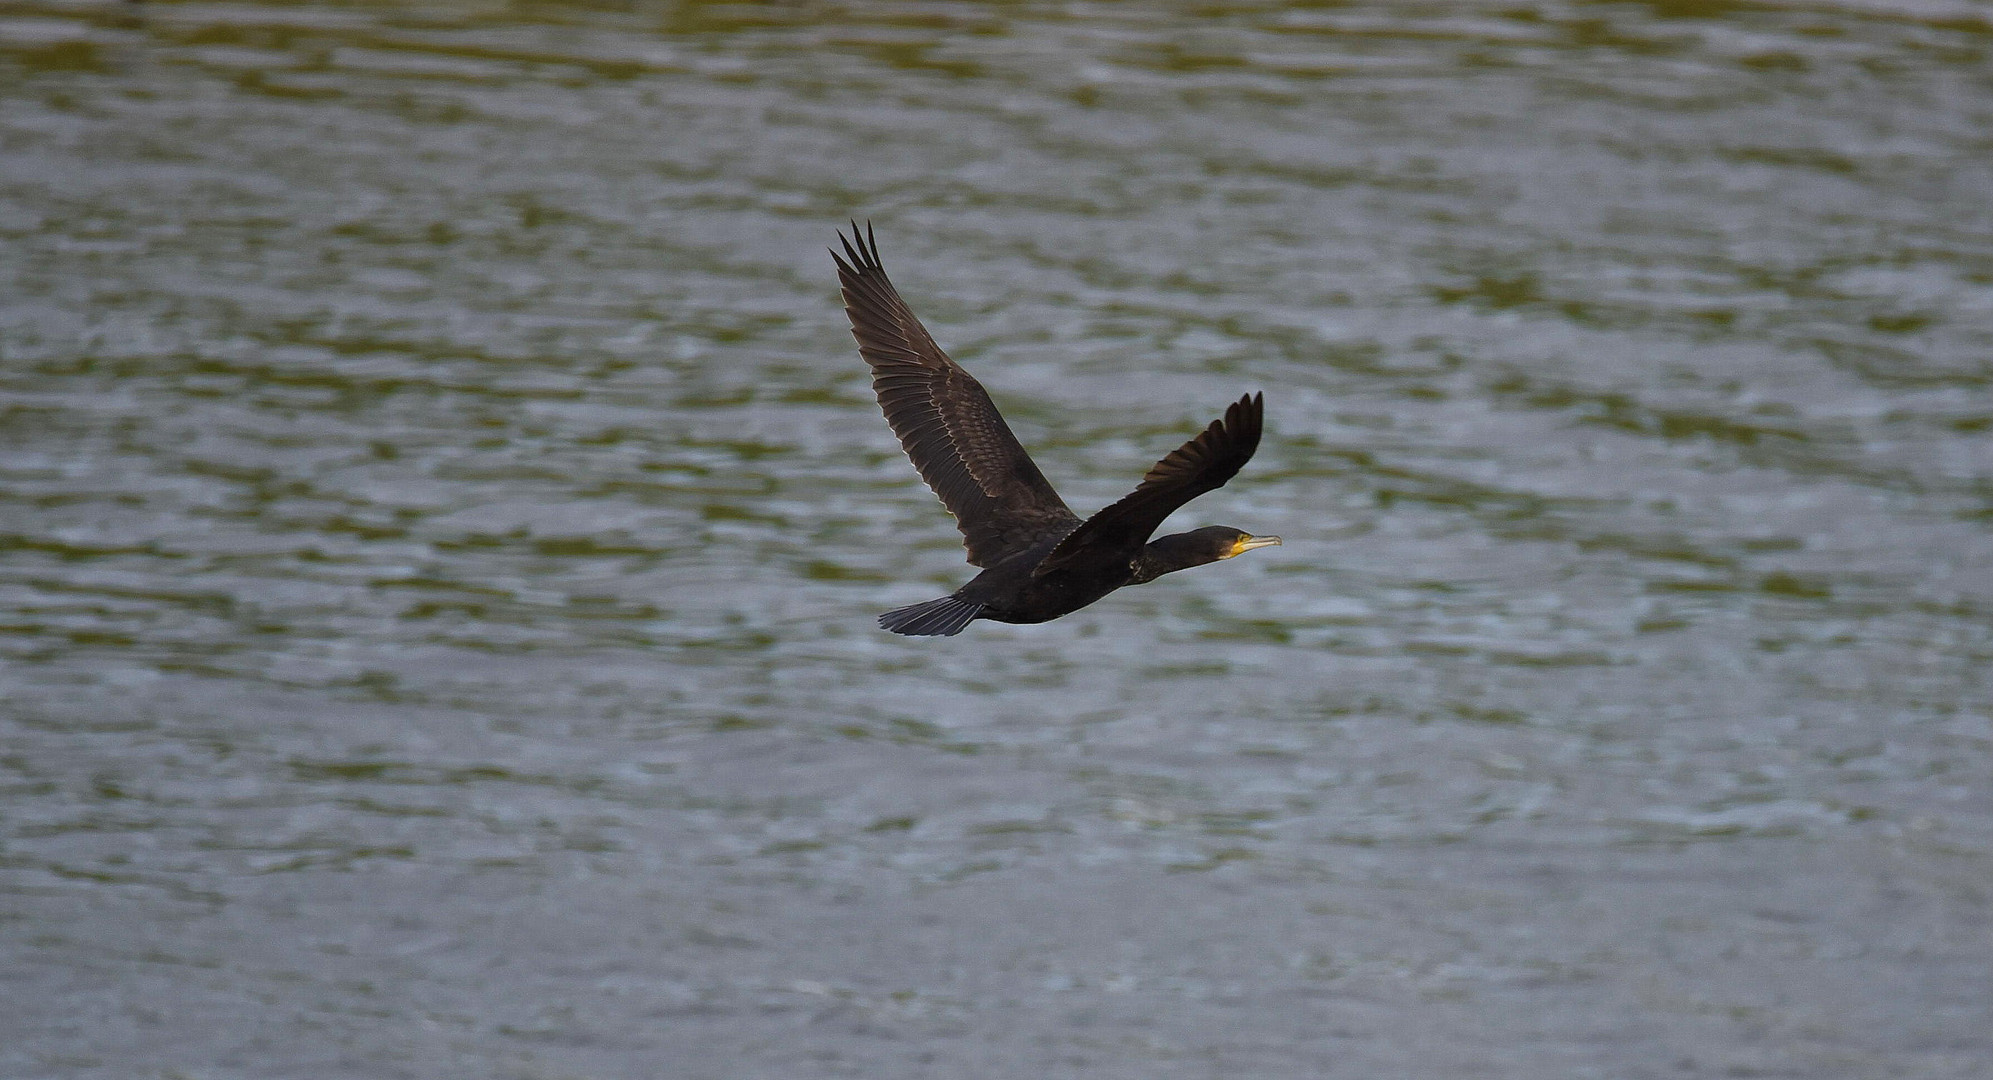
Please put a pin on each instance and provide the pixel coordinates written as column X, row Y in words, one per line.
column 1200, row 465
column 947, row 424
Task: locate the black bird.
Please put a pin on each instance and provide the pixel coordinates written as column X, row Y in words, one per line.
column 1040, row 561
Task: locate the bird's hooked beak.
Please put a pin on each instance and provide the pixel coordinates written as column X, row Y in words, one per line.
column 1247, row 543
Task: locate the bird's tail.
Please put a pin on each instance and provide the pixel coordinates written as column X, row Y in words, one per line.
column 944, row 617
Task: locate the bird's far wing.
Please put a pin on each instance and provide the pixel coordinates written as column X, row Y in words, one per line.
column 1200, row 465
column 947, row 424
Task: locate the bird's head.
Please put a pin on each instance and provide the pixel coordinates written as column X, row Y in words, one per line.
column 1230, row 541
column 1180, row 551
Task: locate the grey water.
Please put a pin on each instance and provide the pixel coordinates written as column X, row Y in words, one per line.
column 443, row 514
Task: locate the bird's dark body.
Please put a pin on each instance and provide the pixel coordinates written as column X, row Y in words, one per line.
column 1010, row 592
column 1040, row 560
column 1014, row 591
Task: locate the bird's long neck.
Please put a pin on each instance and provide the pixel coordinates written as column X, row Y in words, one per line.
column 1167, row 555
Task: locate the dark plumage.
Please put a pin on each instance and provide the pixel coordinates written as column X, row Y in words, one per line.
column 1039, row 560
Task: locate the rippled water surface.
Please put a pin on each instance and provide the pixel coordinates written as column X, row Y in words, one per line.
column 442, row 515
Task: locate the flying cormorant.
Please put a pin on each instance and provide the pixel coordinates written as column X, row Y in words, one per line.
column 1039, row 560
